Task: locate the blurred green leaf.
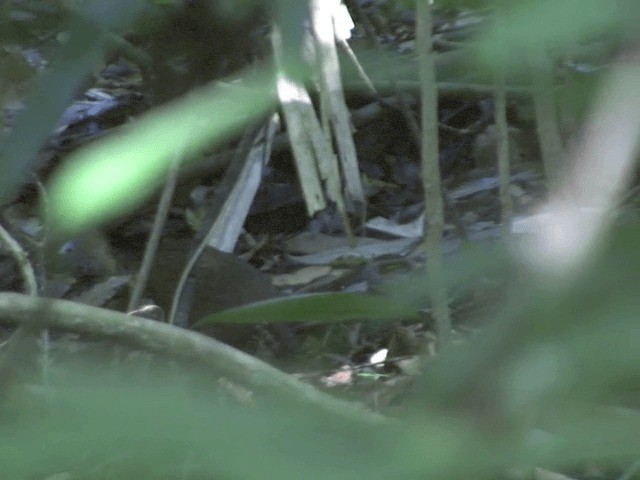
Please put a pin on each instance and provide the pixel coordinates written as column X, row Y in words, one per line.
column 319, row 307
column 114, row 175
column 554, row 25
column 130, row 426
column 399, row 299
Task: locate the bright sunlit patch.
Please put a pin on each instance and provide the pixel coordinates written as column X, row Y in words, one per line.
column 379, row 356
column 343, row 23
column 290, row 91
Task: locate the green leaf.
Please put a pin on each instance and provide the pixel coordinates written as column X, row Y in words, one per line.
column 319, row 307
column 114, row 175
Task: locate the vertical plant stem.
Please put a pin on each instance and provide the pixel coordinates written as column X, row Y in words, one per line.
column 545, row 111
column 22, row 260
column 11, row 355
column 502, row 148
column 332, row 94
column 156, row 232
column 434, row 216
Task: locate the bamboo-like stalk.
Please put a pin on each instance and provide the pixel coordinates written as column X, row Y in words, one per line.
column 332, row 95
column 434, row 215
column 316, row 162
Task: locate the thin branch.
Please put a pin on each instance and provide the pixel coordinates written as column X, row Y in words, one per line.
column 502, row 147
column 186, row 345
column 156, row 232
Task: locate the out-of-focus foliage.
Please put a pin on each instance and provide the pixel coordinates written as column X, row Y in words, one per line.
column 117, row 174
column 562, row 366
column 556, row 26
column 561, row 358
